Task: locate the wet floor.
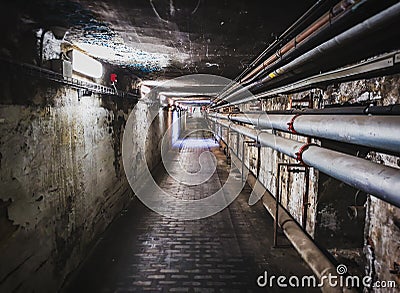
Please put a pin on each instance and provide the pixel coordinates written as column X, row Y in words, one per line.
column 227, row 252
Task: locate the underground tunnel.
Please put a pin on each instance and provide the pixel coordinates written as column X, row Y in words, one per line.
column 200, row 146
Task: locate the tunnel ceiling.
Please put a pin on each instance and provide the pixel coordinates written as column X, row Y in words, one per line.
column 167, row 38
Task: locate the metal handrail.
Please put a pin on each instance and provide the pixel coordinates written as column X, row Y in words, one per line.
column 69, row 81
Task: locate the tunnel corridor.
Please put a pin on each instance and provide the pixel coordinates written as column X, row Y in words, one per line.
column 228, row 251
column 200, row 146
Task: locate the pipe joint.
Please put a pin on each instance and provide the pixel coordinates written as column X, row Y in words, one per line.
column 284, row 222
column 299, row 154
column 291, row 122
column 259, row 132
column 258, row 121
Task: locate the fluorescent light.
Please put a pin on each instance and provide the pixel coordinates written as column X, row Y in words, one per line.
column 144, row 90
column 86, row 65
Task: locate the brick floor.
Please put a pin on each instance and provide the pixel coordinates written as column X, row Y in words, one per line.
column 143, row 251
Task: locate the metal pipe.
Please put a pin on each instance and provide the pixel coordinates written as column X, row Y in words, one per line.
column 359, row 31
column 382, row 63
column 381, row 132
column 289, row 46
column 337, row 11
column 318, row 28
column 218, row 115
column 321, row 266
column 298, row 24
column 285, row 34
column 339, row 110
column 376, row 179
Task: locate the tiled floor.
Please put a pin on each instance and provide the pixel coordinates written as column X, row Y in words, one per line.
column 144, row 251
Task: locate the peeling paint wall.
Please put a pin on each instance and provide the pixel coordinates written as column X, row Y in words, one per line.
column 382, row 233
column 292, row 185
column 382, row 227
column 369, row 245
column 62, row 179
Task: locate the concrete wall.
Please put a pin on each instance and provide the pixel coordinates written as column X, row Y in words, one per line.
column 62, row 178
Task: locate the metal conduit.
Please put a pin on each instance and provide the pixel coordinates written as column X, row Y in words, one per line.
column 393, row 109
column 337, row 11
column 329, row 18
column 298, row 24
column 383, row 62
column 382, row 132
column 378, row 180
column 360, row 30
column 338, row 110
column 285, row 34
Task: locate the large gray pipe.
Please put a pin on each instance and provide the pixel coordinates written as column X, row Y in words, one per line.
column 376, row 179
column 305, row 246
column 359, row 31
column 381, row 132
